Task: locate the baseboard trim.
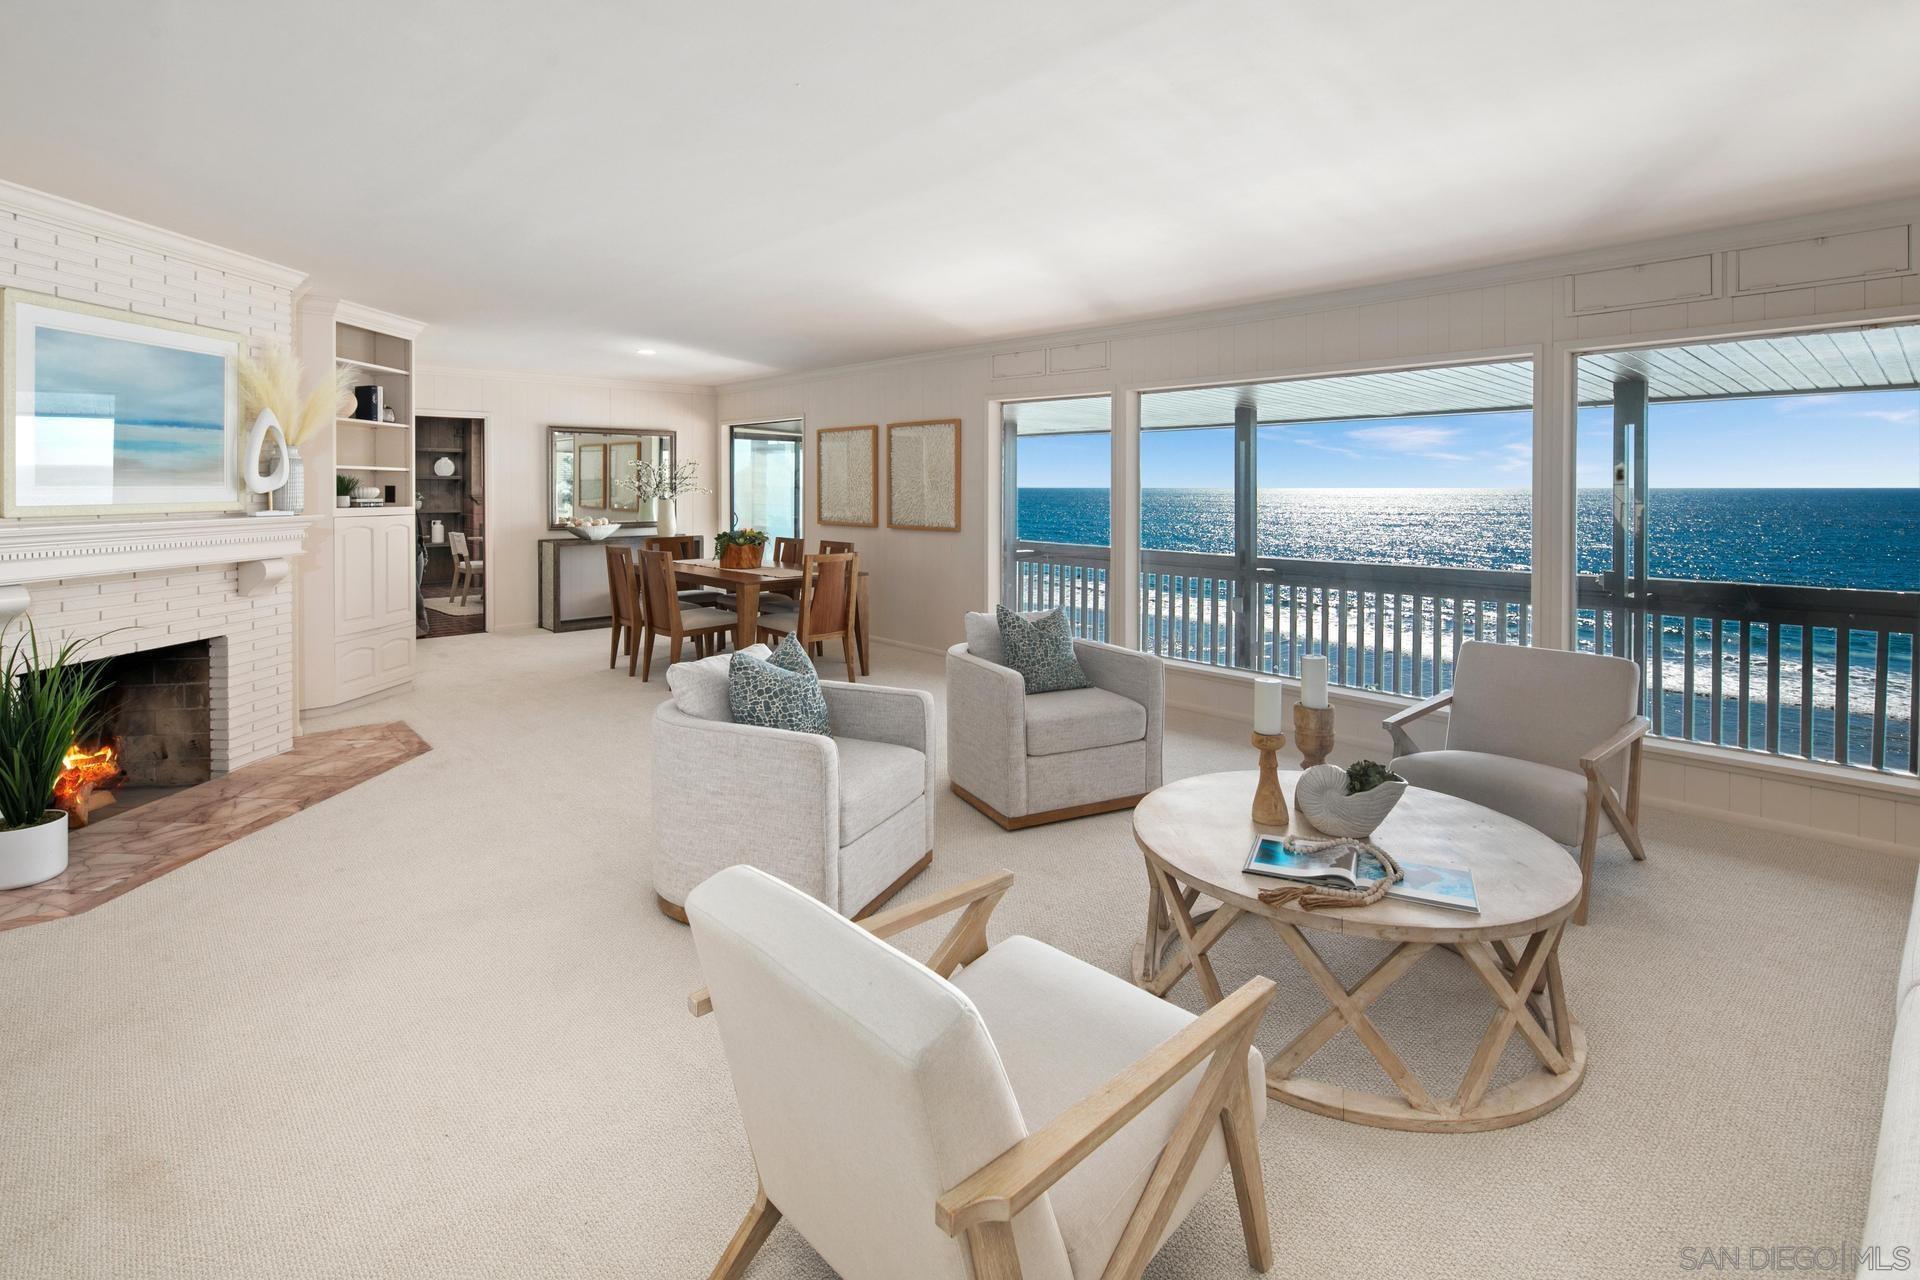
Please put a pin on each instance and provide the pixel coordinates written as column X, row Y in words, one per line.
column 1048, row 816
column 1755, row 822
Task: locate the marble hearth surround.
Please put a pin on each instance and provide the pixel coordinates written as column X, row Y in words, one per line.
column 133, row 584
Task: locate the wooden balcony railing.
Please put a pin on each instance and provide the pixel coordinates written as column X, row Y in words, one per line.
column 1759, row 668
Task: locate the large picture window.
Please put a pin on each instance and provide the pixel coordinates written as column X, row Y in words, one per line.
column 1748, row 530
column 1379, row 519
column 764, row 477
column 1057, row 467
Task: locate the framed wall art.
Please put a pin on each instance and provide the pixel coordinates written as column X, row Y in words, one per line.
column 103, row 412
column 592, row 480
column 847, row 475
column 923, row 474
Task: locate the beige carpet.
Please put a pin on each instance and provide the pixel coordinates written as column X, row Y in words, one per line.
column 435, row 1027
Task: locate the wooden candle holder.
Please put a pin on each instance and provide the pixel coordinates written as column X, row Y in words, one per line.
column 1269, row 803
column 1313, row 733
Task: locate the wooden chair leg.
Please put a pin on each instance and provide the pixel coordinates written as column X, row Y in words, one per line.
column 846, row 647
column 1249, row 1182
column 747, row 1239
column 613, row 654
column 646, row 653
column 990, row 1252
column 1589, row 837
column 673, row 649
column 633, row 649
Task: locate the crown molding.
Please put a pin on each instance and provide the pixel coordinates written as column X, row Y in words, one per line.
column 535, row 375
column 141, row 235
column 331, row 306
column 1304, row 302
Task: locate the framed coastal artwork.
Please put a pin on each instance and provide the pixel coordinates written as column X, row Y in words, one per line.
column 923, row 474
column 622, row 495
column 847, row 475
column 592, row 480
column 103, row 412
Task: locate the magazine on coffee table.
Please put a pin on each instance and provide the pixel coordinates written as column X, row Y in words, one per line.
column 1350, row 865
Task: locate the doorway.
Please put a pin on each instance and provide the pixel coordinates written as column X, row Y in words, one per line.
column 451, row 513
column 764, row 470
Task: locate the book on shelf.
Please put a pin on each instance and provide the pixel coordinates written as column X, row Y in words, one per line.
column 1351, row 865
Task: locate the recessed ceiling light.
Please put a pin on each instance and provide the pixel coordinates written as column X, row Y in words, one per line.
column 648, row 351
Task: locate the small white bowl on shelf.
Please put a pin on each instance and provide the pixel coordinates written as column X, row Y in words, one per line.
column 593, row 532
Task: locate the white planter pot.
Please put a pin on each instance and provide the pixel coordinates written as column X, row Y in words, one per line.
column 29, row 855
column 340, row 500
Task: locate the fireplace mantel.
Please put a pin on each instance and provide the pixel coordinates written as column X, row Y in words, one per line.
column 50, row 550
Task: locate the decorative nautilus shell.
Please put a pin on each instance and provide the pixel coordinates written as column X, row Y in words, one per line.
column 1321, row 796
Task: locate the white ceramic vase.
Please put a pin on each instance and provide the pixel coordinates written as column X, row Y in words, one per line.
column 669, row 524
column 32, row 854
column 295, row 497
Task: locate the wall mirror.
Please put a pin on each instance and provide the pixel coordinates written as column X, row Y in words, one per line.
column 590, row 473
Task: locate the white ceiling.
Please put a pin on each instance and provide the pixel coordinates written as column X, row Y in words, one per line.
column 755, row 186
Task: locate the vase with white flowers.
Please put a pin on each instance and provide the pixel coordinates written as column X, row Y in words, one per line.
column 271, row 383
column 665, row 484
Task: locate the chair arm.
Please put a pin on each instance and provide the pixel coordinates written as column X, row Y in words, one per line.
column 978, row 896
column 796, row 775
column 987, row 730
column 1396, row 724
column 1022, row 1173
column 1632, row 731
column 876, row 713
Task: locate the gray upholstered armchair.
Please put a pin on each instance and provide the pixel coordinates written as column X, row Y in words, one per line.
column 1543, row 735
column 847, row 819
column 1026, row 759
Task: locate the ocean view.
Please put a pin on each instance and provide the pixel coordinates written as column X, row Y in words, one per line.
column 1861, row 538
column 1864, row 539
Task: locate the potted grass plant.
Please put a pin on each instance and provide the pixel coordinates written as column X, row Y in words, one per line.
column 740, row 548
column 343, row 487
column 45, row 704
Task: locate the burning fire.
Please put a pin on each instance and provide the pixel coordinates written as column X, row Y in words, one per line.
column 87, row 780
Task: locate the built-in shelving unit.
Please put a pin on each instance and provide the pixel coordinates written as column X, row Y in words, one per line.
column 355, row 589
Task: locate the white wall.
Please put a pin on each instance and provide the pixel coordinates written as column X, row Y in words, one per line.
column 519, row 407
column 1519, row 310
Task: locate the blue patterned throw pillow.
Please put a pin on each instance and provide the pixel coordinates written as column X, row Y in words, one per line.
column 1041, row 650
column 779, row 692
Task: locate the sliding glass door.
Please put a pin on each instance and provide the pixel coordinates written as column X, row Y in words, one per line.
column 764, row 483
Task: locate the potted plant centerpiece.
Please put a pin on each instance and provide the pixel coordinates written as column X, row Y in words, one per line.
column 44, row 707
column 665, row 484
column 741, row 548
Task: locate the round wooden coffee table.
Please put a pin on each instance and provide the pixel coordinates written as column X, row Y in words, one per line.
column 1195, row 835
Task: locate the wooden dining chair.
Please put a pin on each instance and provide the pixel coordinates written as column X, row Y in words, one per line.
column 627, row 620
column 466, row 570
column 788, row 552
column 826, row 607
column 686, row 546
column 664, row 614
column 828, row 547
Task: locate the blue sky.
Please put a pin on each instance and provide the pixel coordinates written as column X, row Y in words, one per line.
column 1851, row 440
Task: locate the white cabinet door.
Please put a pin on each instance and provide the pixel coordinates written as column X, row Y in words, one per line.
column 393, row 572
column 356, row 594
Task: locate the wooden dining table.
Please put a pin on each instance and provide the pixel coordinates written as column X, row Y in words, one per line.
column 747, row 585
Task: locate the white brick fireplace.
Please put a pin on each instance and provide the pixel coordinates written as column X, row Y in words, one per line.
column 133, row 585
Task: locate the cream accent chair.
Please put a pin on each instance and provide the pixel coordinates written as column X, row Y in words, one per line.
column 1538, row 734
column 1026, row 759
column 848, row 818
column 1027, row 1115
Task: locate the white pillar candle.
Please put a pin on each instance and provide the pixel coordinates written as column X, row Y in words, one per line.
column 1266, row 707
column 1313, row 682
